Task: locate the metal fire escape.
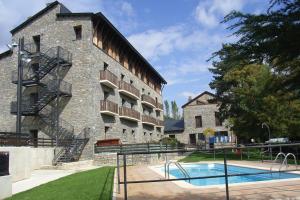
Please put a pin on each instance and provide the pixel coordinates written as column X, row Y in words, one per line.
column 42, row 74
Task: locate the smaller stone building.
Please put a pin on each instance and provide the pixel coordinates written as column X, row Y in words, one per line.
column 199, row 114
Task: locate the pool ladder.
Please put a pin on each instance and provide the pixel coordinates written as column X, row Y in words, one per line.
column 178, row 165
column 284, row 162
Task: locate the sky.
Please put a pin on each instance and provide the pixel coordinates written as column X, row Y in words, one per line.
column 176, row 36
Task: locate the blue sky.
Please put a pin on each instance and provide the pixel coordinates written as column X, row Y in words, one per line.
column 176, row 36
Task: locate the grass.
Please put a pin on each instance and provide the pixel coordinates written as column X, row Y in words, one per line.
column 94, row 184
column 254, row 155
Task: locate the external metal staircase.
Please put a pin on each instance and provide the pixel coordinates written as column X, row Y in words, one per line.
column 42, row 70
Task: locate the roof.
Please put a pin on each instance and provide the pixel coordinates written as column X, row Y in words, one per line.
column 99, row 14
column 38, row 14
column 64, row 12
column 203, row 93
column 172, row 125
column 5, row 53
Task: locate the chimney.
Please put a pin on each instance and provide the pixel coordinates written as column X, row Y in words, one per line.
column 190, row 98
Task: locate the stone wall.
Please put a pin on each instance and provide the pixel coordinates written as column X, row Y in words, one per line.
column 110, row 159
column 83, row 108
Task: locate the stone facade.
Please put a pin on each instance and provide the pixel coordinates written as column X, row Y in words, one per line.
column 205, row 106
column 83, row 108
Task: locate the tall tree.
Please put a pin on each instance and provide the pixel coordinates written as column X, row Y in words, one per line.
column 257, row 78
column 167, row 109
column 175, row 110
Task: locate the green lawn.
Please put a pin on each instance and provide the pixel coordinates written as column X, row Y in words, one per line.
column 95, row 184
column 254, row 155
column 200, row 156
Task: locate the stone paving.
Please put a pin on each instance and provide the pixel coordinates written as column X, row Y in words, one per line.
column 170, row 191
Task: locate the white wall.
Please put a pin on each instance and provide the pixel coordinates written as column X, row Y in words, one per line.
column 23, row 160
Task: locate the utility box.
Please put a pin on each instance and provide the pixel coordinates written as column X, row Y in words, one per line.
column 5, row 178
column 4, row 163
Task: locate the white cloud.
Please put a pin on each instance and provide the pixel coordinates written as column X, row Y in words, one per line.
column 156, row 43
column 127, row 8
column 210, row 12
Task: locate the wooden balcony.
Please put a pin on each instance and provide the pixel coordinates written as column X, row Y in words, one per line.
column 129, row 90
column 159, row 106
column 129, row 113
column 108, row 107
column 159, row 123
column 108, row 78
column 149, row 101
column 146, row 119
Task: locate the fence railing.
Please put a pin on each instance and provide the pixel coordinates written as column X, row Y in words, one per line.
column 124, row 111
column 106, row 105
column 141, row 147
column 129, row 88
column 108, row 75
column 149, row 119
column 148, row 99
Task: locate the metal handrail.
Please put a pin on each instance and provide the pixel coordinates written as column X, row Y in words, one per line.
column 277, row 156
column 286, row 162
column 178, row 165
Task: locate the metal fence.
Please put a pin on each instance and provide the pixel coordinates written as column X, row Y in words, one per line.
column 142, row 147
column 226, row 153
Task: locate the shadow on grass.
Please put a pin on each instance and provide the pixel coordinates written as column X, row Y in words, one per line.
column 108, row 185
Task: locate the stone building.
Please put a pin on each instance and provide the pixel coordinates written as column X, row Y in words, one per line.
column 199, row 114
column 79, row 73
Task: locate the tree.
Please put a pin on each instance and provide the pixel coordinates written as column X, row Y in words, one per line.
column 167, row 109
column 175, row 110
column 257, row 78
column 271, row 38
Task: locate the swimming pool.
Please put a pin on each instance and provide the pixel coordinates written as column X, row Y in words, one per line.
column 199, row 170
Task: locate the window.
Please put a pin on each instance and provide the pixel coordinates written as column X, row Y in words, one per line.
column 132, row 105
column 105, row 66
column 218, row 119
column 123, row 102
column 106, row 128
column 149, row 93
column 78, row 32
column 37, row 42
column 122, row 76
column 131, row 82
column 198, row 120
column 143, row 90
column 106, row 94
column 124, row 131
column 157, row 113
column 145, row 133
column 132, row 132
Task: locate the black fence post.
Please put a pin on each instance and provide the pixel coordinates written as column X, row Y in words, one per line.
column 118, row 172
column 226, row 175
column 125, row 177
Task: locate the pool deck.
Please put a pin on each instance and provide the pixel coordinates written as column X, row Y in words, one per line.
column 287, row 189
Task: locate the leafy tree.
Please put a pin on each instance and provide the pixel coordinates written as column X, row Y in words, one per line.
column 175, row 110
column 167, row 109
column 257, row 78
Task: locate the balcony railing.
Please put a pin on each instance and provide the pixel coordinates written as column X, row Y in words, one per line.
column 159, row 106
column 108, row 77
column 159, row 122
column 129, row 113
column 107, row 106
column 129, row 89
column 148, row 120
column 148, row 100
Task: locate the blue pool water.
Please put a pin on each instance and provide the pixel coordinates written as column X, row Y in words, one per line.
column 196, row 170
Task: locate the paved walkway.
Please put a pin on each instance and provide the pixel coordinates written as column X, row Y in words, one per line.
column 39, row 177
column 170, row 191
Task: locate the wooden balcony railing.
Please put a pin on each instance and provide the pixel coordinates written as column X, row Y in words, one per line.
column 159, row 106
column 159, row 122
column 128, row 112
column 106, row 105
column 109, row 76
column 148, row 99
column 148, row 119
column 129, row 88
